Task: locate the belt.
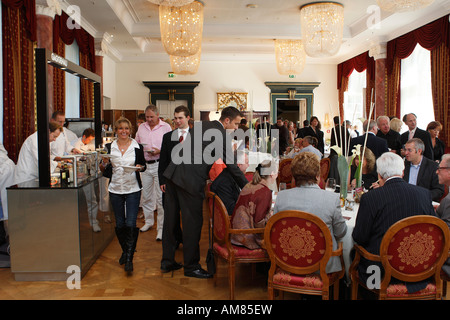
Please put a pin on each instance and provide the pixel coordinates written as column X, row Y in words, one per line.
column 153, row 161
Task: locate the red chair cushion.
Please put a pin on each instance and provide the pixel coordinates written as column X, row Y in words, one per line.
column 399, row 290
column 309, row 281
column 240, row 252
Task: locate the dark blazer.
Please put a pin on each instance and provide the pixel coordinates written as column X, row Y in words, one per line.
column 381, row 208
column 438, row 150
column 377, row 145
column 226, row 189
column 393, row 140
column 308, row 131
column 193, row 174
column 342, row 133
column 425, row 137
column 427, row 178
column 168, row 143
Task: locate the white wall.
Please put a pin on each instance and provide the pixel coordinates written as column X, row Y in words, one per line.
column 109, row 80
column 130, row 92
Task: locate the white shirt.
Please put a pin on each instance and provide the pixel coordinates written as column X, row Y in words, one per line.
column 7, row 170
column 28, row 165
column 61, row 146
column 84, row 147
column 123, row 182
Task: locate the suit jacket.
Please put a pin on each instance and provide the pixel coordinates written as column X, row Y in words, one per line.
column 438, row 150
column 308, row 131
column 380, row 208
column 324, row 204
column 226, row 189
column 393, row 140
column 443, row 212
column 192, row 172
column 427, row 177
column 168, row 143
column 333, row 141
column 376, row 144
column 425, row 137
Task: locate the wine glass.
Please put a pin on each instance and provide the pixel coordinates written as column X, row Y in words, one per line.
column 331, row 183
column 282, row 186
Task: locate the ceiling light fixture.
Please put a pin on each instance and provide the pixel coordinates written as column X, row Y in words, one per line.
column 290, row 56
column 171, row 3
column 322, row 26
column 186, row 65
column 403, row 5
column 181, row 29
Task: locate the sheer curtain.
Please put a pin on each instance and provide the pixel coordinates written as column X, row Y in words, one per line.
column 416, row 93
column 354, row 98
column 72, row 83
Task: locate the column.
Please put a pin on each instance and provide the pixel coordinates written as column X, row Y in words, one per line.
column 99, row 71
column 379, row 53
column 44, row 21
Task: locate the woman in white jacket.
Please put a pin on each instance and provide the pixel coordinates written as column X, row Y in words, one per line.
column 28, row 164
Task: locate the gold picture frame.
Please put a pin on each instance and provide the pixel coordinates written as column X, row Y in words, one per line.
column 233, row 99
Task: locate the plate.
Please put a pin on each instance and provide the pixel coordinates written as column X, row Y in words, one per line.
column 130, row 169
column 106, row 155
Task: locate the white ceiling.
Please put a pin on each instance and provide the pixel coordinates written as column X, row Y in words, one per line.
column 129, row 29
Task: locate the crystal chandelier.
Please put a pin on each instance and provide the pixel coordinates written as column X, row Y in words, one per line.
column 171, row 3
column 186, row 65
column 181, row 29
column 290, row 56
column 403, row 5
column 322, row 25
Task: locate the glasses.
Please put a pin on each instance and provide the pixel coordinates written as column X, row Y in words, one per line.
column 442, row 168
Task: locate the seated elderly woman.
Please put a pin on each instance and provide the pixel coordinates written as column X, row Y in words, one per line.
column 308, row 197
column 292, row 152
column 253, row 207
column 369, row 170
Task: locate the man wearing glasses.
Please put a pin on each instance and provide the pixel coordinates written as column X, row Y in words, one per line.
column 443, row 210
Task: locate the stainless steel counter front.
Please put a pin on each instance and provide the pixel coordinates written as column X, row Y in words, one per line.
column 52, row 229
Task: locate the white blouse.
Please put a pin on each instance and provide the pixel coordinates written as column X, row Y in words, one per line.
column 122, row 180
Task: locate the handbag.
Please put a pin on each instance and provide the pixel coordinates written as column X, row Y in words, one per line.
column 210, row 259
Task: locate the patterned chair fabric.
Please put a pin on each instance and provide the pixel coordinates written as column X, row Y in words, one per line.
column 284, row 173
column 412, row 250
column 299, row 246
column 324, row 172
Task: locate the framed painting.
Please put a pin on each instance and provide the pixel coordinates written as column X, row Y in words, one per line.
column 233, row 99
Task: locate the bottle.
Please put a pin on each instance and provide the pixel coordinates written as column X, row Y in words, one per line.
column 64, row 176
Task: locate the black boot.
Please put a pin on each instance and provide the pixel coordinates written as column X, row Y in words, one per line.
column 131, row 241
column 121, row 234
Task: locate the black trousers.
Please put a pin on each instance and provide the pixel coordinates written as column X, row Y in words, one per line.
column 191, row 206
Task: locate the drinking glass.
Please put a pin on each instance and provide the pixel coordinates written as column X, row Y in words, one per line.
column 331, row 183
column 282, row 186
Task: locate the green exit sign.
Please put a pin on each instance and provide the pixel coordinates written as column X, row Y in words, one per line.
column 291, row 76
column 171, row 75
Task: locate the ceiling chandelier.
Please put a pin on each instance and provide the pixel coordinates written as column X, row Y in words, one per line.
column 186, row 65
column 290, row 56
column 403, row 5
column 171, row 3
column 322, row 26
column 181, row 28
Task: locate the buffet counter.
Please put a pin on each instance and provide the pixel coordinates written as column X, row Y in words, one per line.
column 52, row 229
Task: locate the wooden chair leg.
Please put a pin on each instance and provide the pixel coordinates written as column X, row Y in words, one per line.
column 336, row 290
column 231, row 279
column 354, row 290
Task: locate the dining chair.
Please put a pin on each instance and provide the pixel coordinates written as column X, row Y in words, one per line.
column 285, row 173
column 223, row 248
column 300, row 245
column 324, row 172
column 411, row 251
column 249, row 175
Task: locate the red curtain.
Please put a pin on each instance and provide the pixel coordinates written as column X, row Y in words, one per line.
column 59, row 81
column 18, row 34
column 359, row 63
column 86, row 91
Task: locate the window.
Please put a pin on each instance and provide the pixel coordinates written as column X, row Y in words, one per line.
column 415, row 87
column 354, row 99
column 72, row 83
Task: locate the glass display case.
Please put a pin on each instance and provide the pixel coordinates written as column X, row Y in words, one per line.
column 78, row 168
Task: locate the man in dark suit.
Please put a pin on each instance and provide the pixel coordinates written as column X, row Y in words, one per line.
column 380, row 208
column 283, row 135
column 377, row 145
column 392, row 137
column 172, row 227
column 420, row 170
column 410, row 120
column 443, row 210
column 186, row 177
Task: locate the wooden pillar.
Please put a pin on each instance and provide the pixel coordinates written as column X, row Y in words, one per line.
column 378, row 52
column 99, row 71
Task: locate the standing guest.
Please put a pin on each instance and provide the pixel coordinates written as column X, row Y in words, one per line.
column 283, row 135
column 141, row 119
column 410, row 120
column 396, row 124
column 125, row 187
column 292, row 133
column 186, row 181
column 172, row 226
column 300, row 131
column 338, row 134
column 443, row 210
column 434, row 127
column 61, row 146
column 253, row 207
column 307, row 196
column 374, row 143
column 151, row 135
column 313, row 130
column 85, row 142
column 420, row 170
column 380, row 208
column 392, row 137
column 28, row 163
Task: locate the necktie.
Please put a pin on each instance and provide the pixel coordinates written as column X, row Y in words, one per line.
column 181, row 136
column 411, row 135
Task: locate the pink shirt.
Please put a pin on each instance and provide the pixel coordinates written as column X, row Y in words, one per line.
column 152, row 138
